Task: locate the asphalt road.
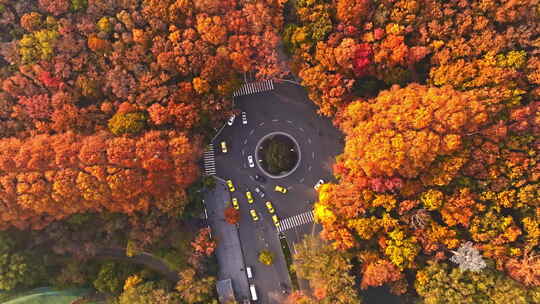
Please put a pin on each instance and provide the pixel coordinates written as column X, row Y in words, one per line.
column 285, row 109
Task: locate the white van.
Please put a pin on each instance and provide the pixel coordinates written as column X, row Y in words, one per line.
column 249, row 273
column 253, row 292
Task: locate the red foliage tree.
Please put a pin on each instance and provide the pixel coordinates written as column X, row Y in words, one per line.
column 37, row 106
column 203, row 244
column 232, row 216
column 379, row 272
column 362, row 59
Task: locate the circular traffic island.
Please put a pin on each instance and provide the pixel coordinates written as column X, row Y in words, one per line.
column 278, row 154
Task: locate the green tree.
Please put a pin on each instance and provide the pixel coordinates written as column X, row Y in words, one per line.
column 110, row 278
column 327, row 271
column 15, row 268
column 147, row 293
column 439, row 283
column 122, row 123
column 193, row 289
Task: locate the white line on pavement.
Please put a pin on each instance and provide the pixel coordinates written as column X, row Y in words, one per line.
column 313, row 154
column 251, row 132
column 301, row 129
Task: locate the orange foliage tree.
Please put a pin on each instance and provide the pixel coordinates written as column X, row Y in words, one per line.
column 51, row 177
column 232, row 216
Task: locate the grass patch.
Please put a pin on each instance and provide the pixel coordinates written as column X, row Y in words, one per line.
column 288, row 260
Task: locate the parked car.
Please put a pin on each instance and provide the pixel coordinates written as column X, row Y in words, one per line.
column 270, row 208
column 250, row 161
column 230, row 185
column 253, row 292
column 318, row 184
column 275, row 219
column 249, row 197
column 281, row 189
column 223, row 147
column 235, row 203
column 230, row 121
column 259, row 191
column 254, row 215
column 259, row 178
column 244, row 118
column 249, row 272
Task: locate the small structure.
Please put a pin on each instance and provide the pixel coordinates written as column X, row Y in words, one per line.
column 225, row 291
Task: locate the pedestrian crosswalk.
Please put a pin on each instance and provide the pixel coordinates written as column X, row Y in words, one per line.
column 209, row 160
column 254, row 87
column 295, row 221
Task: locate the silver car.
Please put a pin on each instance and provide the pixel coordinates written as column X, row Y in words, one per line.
column 250, row 161
column 318, row 184
column 230, row 121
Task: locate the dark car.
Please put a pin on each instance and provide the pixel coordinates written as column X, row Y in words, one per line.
column 259, row 178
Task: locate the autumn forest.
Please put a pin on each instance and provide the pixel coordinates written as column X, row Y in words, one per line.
column 106, row 107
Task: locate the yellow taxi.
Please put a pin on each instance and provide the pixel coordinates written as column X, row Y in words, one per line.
column 249, row 197
column 224, row 147
column 275, row 219
column 281, row 189
column 230, row 185
column 254, row 215
column 235, row 203
column 270, row 207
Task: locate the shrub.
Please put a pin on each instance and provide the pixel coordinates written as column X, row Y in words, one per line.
column 266, row 257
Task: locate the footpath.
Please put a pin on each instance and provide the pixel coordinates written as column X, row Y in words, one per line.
column 229, row 250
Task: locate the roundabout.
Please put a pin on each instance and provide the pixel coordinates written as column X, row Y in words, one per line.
column 287, row 117
column 277, row 154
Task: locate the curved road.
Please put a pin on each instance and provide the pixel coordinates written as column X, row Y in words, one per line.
column 285, row 109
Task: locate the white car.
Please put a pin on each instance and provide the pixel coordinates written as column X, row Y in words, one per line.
column 244, row 118
column 250, row 161
column 318, row 184
column 230, row 121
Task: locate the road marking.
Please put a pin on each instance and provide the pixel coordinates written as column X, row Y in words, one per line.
column 245, row 141
column 289, row 188
column 295, row 221
column 288, row 121
column 254, row 87
column 313, row 154
column 302, row 180
column 275, row 120
column 261, row 124
column 309, row 140
column 301, row 129
column 251, row 132
column 209, row 160
column 309, row 168
column 243, row 152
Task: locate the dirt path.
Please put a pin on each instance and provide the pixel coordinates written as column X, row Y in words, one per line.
column 143, row 258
